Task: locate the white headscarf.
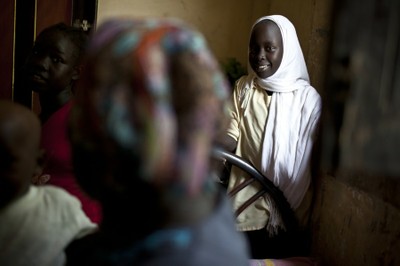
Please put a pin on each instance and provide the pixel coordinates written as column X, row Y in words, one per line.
column 293, row 117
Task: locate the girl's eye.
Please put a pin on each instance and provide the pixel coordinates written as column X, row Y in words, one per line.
column 35, row 51
column 253, row 51
column 56, row 59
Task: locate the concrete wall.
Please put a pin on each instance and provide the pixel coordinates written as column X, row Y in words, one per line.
column 353, row 227
column 356, row 217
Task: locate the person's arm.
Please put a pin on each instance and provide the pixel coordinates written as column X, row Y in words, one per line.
column 227, row 142
column 220, row 168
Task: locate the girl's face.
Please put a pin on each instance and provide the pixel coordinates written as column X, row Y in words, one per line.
column 265, row 49
column 52, row 64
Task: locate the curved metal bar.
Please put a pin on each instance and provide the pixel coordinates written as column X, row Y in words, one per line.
column 245, row 166
column 250, row 201
column 242, row 185
column 283, row 205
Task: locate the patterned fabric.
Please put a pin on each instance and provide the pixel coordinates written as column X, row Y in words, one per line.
column 148, row 107
column 157, row 99
column 294, row 261
column 212, row 241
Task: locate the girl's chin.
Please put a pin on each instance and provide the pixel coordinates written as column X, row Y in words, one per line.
column 263, row 74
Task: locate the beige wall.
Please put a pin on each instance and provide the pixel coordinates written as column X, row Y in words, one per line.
column 226, row 23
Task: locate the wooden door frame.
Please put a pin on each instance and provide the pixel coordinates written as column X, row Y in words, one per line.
column 31, row 17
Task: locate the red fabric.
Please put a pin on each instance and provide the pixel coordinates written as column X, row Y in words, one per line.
column 58, row 162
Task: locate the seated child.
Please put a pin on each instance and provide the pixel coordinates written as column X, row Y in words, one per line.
column 148, row 107
column 51, row 70
column 36, row 223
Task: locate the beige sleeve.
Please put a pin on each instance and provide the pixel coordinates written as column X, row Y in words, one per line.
column 234, row 112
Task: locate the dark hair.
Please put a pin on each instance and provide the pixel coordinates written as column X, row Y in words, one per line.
column 77, row 35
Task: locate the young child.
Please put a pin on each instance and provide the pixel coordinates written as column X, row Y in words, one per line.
column 148, row 107
column 274, row 117
column 52, row 69
column 36, row 223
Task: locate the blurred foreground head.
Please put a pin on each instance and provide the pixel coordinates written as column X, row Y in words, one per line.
column 148, row 106
column 19, row 150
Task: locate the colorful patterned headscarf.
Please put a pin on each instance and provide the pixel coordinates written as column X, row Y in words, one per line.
column 148, row 105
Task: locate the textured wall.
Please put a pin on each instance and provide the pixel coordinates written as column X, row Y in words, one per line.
column 352, row 227
column 357, row 213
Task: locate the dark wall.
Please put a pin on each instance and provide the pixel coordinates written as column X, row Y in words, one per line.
column 356, row 217
column 6, row 44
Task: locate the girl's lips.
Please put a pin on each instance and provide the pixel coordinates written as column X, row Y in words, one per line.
column 263, row 67
column 37, row 78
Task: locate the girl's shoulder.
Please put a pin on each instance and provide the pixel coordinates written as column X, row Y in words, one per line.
column 243, row 81
column 242, row 85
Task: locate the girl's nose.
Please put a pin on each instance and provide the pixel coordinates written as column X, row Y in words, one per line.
column 40, row 61
column 262, row 55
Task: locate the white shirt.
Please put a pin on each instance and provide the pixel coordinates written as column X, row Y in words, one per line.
column 36, row 228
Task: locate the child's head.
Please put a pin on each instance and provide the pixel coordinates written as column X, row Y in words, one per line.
column 19, row 149
column 265, row 48
column 275, row 55
column 54, row 62
column 147, row 109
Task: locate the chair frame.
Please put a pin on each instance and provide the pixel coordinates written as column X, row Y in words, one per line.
column 287, row 213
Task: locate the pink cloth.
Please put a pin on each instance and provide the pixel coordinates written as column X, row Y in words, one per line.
column 294, row 261
column 58, row 162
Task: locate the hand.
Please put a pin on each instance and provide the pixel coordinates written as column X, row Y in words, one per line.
column 220, row 170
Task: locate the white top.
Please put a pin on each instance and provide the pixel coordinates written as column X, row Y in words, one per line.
column 36, row 228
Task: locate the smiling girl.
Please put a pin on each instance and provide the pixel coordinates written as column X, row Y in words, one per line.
column 274, row 117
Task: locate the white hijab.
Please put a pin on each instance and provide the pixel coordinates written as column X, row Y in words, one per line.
column 293, row 117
